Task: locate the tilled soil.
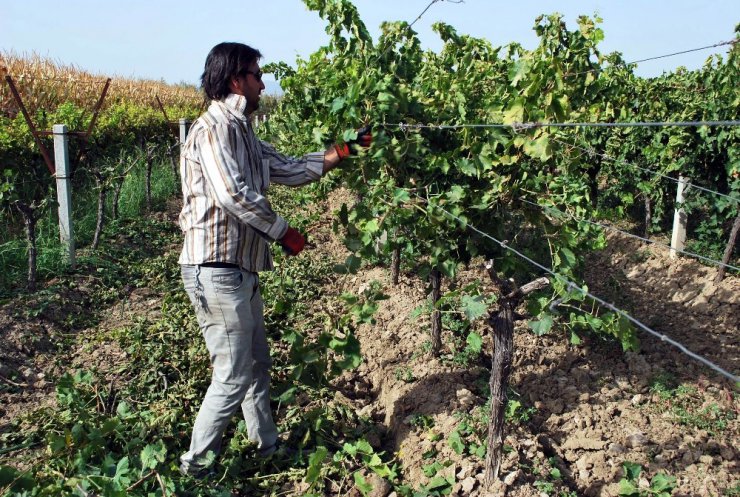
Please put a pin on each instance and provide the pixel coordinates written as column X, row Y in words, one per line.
column 590, row 407
column 595, row 406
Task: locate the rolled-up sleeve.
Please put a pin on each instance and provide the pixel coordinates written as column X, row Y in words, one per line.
column 289, row 171
column 231, row 189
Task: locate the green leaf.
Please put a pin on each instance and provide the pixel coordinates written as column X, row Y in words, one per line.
column 569, row 256
column 467, row 167
column 364, row 446
column 349, row 135
column 338, row 104
column 288, row 396
column 430, row 470
column 663, row 483
column 362, row 484
column 151, row 455
column 456, row 442
column 456, row 194
column 514, row 114
column 401, row 196
column 631, row 470
column 439, row 483
column 542, row 326
column 475, row 342
column 315, row 463
column 122, row 468
column 319, row 135
column 13, row 480
column 628, row 489
column 474, row 307
column 539, row 148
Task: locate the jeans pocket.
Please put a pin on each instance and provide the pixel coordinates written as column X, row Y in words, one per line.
column 227, row 280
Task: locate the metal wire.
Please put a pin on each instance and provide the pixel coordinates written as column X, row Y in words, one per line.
column 601, row 301
column 593, row 152
column 523, row 126
column 518, row 126
column 423, row 12
column 721, row 43
column 617, row 230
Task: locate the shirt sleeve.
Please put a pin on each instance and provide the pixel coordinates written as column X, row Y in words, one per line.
column 231, row 191
column 290, row 171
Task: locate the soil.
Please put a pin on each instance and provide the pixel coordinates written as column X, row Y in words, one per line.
column 591, row 407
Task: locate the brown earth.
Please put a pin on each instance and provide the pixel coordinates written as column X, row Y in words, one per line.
column 593, row 406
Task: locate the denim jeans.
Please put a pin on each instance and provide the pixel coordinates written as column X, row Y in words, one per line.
column 229, row 309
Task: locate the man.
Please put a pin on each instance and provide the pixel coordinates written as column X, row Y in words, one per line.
column 228, row 225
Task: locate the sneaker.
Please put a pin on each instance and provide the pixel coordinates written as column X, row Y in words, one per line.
column 281, row 449
column 197, row 472
column 266, row 452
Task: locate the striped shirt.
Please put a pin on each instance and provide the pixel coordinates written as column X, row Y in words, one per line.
column 225, row 171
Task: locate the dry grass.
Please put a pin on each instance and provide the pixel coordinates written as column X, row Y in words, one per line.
column 45, row 84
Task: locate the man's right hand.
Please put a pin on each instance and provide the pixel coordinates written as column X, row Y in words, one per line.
column 364, row 140
column 292, row 242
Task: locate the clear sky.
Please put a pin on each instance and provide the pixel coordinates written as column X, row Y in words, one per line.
column 169, row 39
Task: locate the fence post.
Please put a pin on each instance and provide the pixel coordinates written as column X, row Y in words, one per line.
column 184, row 128
column 678, row 239
column 64, row 191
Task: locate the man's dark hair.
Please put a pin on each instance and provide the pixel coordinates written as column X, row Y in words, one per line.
column 225, row 61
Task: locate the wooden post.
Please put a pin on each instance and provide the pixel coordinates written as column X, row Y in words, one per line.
column 678, row 240
column 502, row 329
column 64, row 191
column 728, row 249
column 395, row 265
column 435, row 278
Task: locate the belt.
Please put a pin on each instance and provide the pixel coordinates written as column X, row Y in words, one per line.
column 220, row 265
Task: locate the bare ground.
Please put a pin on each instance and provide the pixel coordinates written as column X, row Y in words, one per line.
column 594, row 406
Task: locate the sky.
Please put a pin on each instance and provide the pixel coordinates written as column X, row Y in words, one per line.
column 169, row 39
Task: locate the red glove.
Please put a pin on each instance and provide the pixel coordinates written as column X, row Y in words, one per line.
column 292, row 242
column 364, row 139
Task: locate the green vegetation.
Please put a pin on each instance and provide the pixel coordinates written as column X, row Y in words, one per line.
column 689, row 408
column 660, row 485
column 120, row 425
column 123, row 436
column 422, row 187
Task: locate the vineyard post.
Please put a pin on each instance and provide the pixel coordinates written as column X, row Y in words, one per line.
column 728, row 249
column 184, row 127
column 678, row 239
column 64, row 191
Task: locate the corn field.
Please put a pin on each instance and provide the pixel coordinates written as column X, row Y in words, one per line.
column 45, row 84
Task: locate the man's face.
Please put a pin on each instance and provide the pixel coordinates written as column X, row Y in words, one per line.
column 249, row 85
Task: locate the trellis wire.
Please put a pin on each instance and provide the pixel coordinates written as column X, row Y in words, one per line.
column 592, row 152
column 601, row 301
column 617, row 230
column 517, row 126
column 719, row 44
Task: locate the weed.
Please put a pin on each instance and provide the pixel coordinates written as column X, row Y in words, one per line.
column 661, row 485
column 405, row 374
column 688, row 407
column 421, row 421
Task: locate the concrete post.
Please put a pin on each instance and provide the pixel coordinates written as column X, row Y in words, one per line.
column 64, row 191
column 678, row 239
column 184, row 128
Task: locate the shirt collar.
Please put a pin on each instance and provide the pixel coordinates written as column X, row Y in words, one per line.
column 236, row 104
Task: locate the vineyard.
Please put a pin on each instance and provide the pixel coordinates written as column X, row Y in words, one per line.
column 407, row 360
